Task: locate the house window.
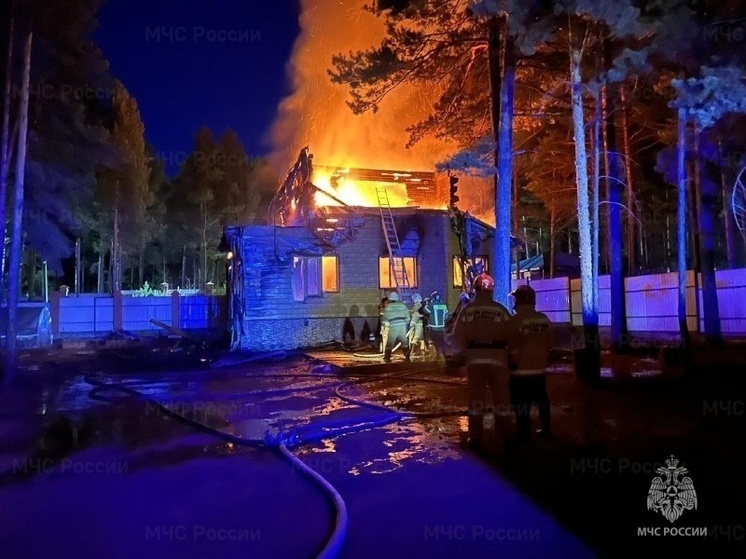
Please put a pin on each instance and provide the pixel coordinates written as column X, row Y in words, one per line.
column 330, row 274
column 312, row 276
column 479, row 263
column 386, row 272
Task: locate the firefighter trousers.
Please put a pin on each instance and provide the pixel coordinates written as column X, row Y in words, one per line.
column 482, row 377
column 525, row 391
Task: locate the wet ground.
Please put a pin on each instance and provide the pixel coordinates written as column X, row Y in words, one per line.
column 105, row 454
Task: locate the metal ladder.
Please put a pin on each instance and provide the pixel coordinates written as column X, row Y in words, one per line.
column 396, row 260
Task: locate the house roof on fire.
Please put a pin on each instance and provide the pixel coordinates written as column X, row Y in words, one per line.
column 301, row 240
column 282, row 241
column 396, row 211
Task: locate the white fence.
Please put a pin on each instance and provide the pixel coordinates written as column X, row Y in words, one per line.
column 651, row 301
column 95, row 314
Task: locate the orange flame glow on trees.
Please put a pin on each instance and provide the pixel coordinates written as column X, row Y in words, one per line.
column 316, row 113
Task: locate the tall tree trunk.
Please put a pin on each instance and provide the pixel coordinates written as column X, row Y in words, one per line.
column 669, row 252
column 15, row 241
column 681, row 218
column 615, row 249
column 30, row 271
column 729, row 223
column 604, row 213
column 5, row 156
column 552, row 243
column 141, row 269
column 195, row 268
column 632, row 262
column 595, row 207
column 708, row 195
column 78, row 282
column 693, row 214
column 100, row 271
column 496, row 29
column 183, row 266
column 591, row 364
column 203, row 272
column 116, row 249
column 503, row 199
column 110, row 285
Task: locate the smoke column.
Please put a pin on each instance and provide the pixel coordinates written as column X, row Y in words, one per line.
column 316, row 114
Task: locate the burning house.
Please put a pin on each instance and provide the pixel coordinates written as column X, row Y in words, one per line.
column 340, row 236
column 317, row 273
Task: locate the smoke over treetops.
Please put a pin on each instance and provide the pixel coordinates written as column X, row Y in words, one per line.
column 316, row 114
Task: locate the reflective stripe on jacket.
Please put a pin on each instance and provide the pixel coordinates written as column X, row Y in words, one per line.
column 530, row 336
column 480, row 332
column 395, row 312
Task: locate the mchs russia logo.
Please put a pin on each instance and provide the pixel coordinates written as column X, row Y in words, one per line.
column 673, row 493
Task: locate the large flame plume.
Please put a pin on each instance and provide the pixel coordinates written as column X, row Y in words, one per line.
column 316, row 114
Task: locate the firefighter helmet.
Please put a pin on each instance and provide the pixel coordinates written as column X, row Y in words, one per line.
column 484, row 282
column 524, row 295
column 393, row 296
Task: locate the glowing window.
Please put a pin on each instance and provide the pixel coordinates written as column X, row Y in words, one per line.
column 479, row 263
column 386, row 271
column 330, row 274
column 299, row 280
column 312, row 276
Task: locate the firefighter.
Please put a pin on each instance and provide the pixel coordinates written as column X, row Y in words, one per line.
column 396, row 317
column 480, row 334
column 416, row 326
column 530, row 340
column 437, row 318
column 425, row 318
column 382, row 324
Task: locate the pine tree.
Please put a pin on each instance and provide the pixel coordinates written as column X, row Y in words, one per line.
column 16, row 248
column 123, row 195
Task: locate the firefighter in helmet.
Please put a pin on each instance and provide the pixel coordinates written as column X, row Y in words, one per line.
column 396, row 316
column 416, row 325
column 530, row 340
column 382, row 324
column 480, row 334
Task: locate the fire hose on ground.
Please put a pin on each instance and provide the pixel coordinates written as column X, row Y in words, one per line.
column 284, row 442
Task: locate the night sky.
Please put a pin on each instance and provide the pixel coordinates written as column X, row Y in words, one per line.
column 192, row 62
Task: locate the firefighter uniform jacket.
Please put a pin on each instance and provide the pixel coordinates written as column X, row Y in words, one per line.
column 396, row 314
column 480, row 332
column 530, row 338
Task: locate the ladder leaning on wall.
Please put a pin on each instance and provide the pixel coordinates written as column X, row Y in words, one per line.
column 396, row 260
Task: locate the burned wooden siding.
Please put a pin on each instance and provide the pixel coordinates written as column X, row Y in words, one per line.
column 272, row 319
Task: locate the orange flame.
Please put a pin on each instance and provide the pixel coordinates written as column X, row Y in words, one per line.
column 356, row 193
column 316, row 113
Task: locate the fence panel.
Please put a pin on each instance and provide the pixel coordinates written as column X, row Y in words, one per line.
column 731, row 289
column 94, row 314
column 202, row 312
column 653, row 303
column 137, row 313
column 86, row 314
column 552, row 298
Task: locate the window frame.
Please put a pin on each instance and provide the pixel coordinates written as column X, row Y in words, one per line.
column 413, row 281
column 311, row 273
column 336, row 273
